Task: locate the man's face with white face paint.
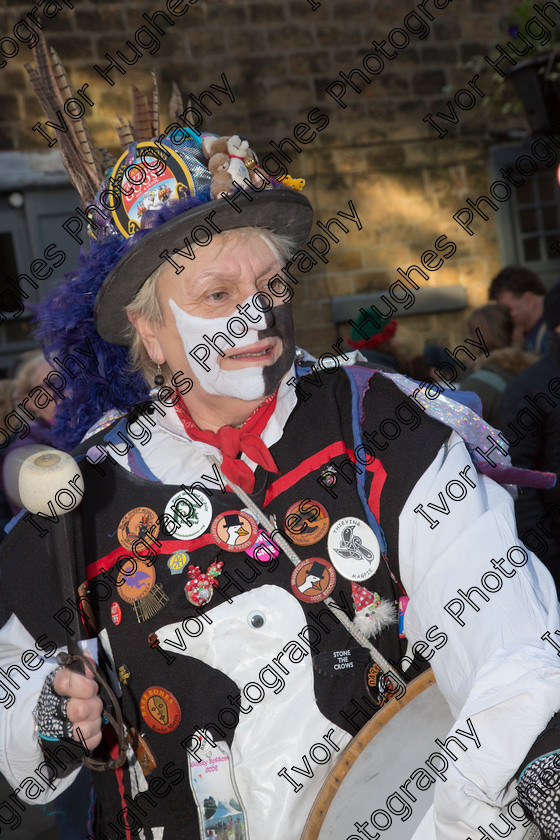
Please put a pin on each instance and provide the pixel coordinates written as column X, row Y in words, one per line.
column 218, row 293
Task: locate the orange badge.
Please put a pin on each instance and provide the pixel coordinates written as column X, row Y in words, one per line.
column 306, row 522
column 135, row 580
column 160, row 709
column 313, row 580
column 135, row 525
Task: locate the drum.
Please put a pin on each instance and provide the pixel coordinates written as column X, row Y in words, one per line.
column 392, row 758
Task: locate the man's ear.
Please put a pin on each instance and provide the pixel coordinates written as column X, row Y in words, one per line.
column 149, row 339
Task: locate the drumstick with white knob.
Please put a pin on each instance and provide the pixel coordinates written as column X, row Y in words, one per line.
column 34, row 478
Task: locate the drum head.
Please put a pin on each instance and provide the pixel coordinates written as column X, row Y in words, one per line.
column 383, row 773
column 378, row 769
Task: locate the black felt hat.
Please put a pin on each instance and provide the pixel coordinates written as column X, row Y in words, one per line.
column 282, row 210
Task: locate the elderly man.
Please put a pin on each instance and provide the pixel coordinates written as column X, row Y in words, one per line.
column 206, row 509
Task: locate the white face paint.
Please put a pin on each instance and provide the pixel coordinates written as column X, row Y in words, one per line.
column 245, row 383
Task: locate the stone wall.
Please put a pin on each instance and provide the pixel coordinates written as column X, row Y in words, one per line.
column 404, row 180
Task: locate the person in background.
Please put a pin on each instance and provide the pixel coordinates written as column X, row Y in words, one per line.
column 6, row 389
column 490, row 375
column 523, row 293
column 29, row 374
column 381, row 347
column 536, row 510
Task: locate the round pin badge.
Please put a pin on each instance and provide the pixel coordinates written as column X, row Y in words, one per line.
column 353, row 549
column 135, row 525
column 234, row 530
column 313, row 580
column 135, row 580
column 192, row 514
column 136, row 584
column 160, row 709
column 116, row 613
column 177, row 562
column 306, row 522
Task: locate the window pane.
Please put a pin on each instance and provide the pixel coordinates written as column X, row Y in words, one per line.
column 552, row 248
column 528, row 220
column 550, row 217
column 525, row 193
column 531, row 251
column 547, row 188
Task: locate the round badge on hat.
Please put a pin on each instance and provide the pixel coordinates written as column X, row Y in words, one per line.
column 192, row 514
column 313, row 580
column 234, row 530
column 306, row 522
column 177, row 562
column 353, row 549
column 147, row 183
column 160, row 709
column 135, row 525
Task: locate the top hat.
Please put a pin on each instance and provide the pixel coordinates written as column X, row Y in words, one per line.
column 157, row 196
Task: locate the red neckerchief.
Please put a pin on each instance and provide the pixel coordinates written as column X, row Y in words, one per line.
column 231, row 442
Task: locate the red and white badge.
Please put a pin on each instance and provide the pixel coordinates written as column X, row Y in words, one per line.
column 234, row 530
column 116, row 613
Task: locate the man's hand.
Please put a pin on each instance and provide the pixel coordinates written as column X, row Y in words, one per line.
column 84, row 707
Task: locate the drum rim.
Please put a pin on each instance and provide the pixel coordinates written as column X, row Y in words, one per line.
column 353, row 750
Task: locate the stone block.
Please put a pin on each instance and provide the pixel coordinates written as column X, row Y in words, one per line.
column 267, row 12
column 428, row 82
column 304, row 63
column 247, row 39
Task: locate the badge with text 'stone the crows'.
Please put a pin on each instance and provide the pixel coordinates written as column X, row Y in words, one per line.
column 306, row 522
column 353, row 549
column 191, row 514
column 136, row 584
column 160, row 709
column 313, row 580
column 234, row 530
column 135, row 525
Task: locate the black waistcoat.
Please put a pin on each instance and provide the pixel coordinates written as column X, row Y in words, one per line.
column 317, row 433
